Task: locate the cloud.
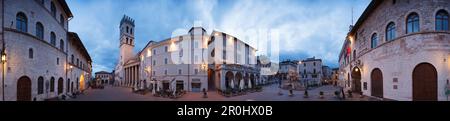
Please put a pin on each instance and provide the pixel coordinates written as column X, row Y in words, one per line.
column 306, row 27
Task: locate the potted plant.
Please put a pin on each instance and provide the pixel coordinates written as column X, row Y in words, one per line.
column 336, row 93
column 228, row 92
column 205, row 94
column 321, row 95
column 361, row 95
column 305, row 94
column 259, row 88
column 291, row 92
column 349, row 93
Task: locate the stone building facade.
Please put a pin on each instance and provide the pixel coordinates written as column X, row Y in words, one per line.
column 310, row 71
column 189, row 62
column 286, row 67
column 104, row 77
column 36, row 44
column 399, row 49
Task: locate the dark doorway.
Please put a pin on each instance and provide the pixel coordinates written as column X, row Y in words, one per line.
column 24, row 89
column 424, row 82
column 60, row 85
column 180, row 85
column 356, row 80
column 376, row 78
column 228, row 78
column 211, row 80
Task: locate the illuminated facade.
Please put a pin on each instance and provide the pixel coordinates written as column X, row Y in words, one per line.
column 191, row 62
column 399, row 50
column 42, row 60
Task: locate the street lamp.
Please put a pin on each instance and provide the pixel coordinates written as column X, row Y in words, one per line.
column 203, row 66
column 3, row 73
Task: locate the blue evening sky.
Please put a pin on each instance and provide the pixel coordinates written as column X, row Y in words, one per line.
column 306, row 28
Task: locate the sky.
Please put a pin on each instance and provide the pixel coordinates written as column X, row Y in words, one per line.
column 305, row 28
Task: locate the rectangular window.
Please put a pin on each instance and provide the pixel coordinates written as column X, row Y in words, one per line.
column 149, row 53
column 57, row 61
column 154, row 62
column 196, row 71
column 179, row 71
column 165, row 72
column 165, row 60
column 195, row 59
column 166, row 48
column 196, row 44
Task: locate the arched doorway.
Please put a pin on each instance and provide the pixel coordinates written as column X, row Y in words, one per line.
column 60, row 85
column 228, row 78
column 376, row 82
column 68, row 86
column 246, row 79
column 211, row 80
column 356, row 80
column 252, row 79
column 71, row 87
column 238, row 79
column 81, row 82
column 24, row 89
column 424, row 82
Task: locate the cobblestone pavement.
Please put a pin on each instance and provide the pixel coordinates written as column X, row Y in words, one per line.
column 269, row 93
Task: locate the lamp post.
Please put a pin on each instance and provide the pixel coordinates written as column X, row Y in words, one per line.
column 3, row 57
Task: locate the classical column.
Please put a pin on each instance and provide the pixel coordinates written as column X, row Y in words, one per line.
column 126, row 77
column 137, row 76
column 132, row 76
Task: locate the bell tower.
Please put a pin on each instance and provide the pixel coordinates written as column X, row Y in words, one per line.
column 126, row 39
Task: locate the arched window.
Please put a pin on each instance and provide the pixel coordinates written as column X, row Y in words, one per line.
column 52, row 38
column 390, row 31
column 61, row 44
column 68, row 85
column 131, row 41
column 53, row 9
column 412, row 23
column 21, row 22
column 127, row 29
column 442, row 21
column 40, row 85
column 374, row 40
column 127, row 41
column 71, row 59
column 52, row 84
column 39, row 30
column 61, row 19
column 30, row 53
column 131, row 31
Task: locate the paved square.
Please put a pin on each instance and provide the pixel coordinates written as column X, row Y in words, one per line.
column 269, row 93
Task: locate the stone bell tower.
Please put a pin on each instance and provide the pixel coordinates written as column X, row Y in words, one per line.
column 126, row 39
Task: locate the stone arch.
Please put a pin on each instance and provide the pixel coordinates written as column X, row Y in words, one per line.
column 24, row 89
column 376, row 83
column 424, row 85
column 356, row 79
column 229, row 76
column 60, row 85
